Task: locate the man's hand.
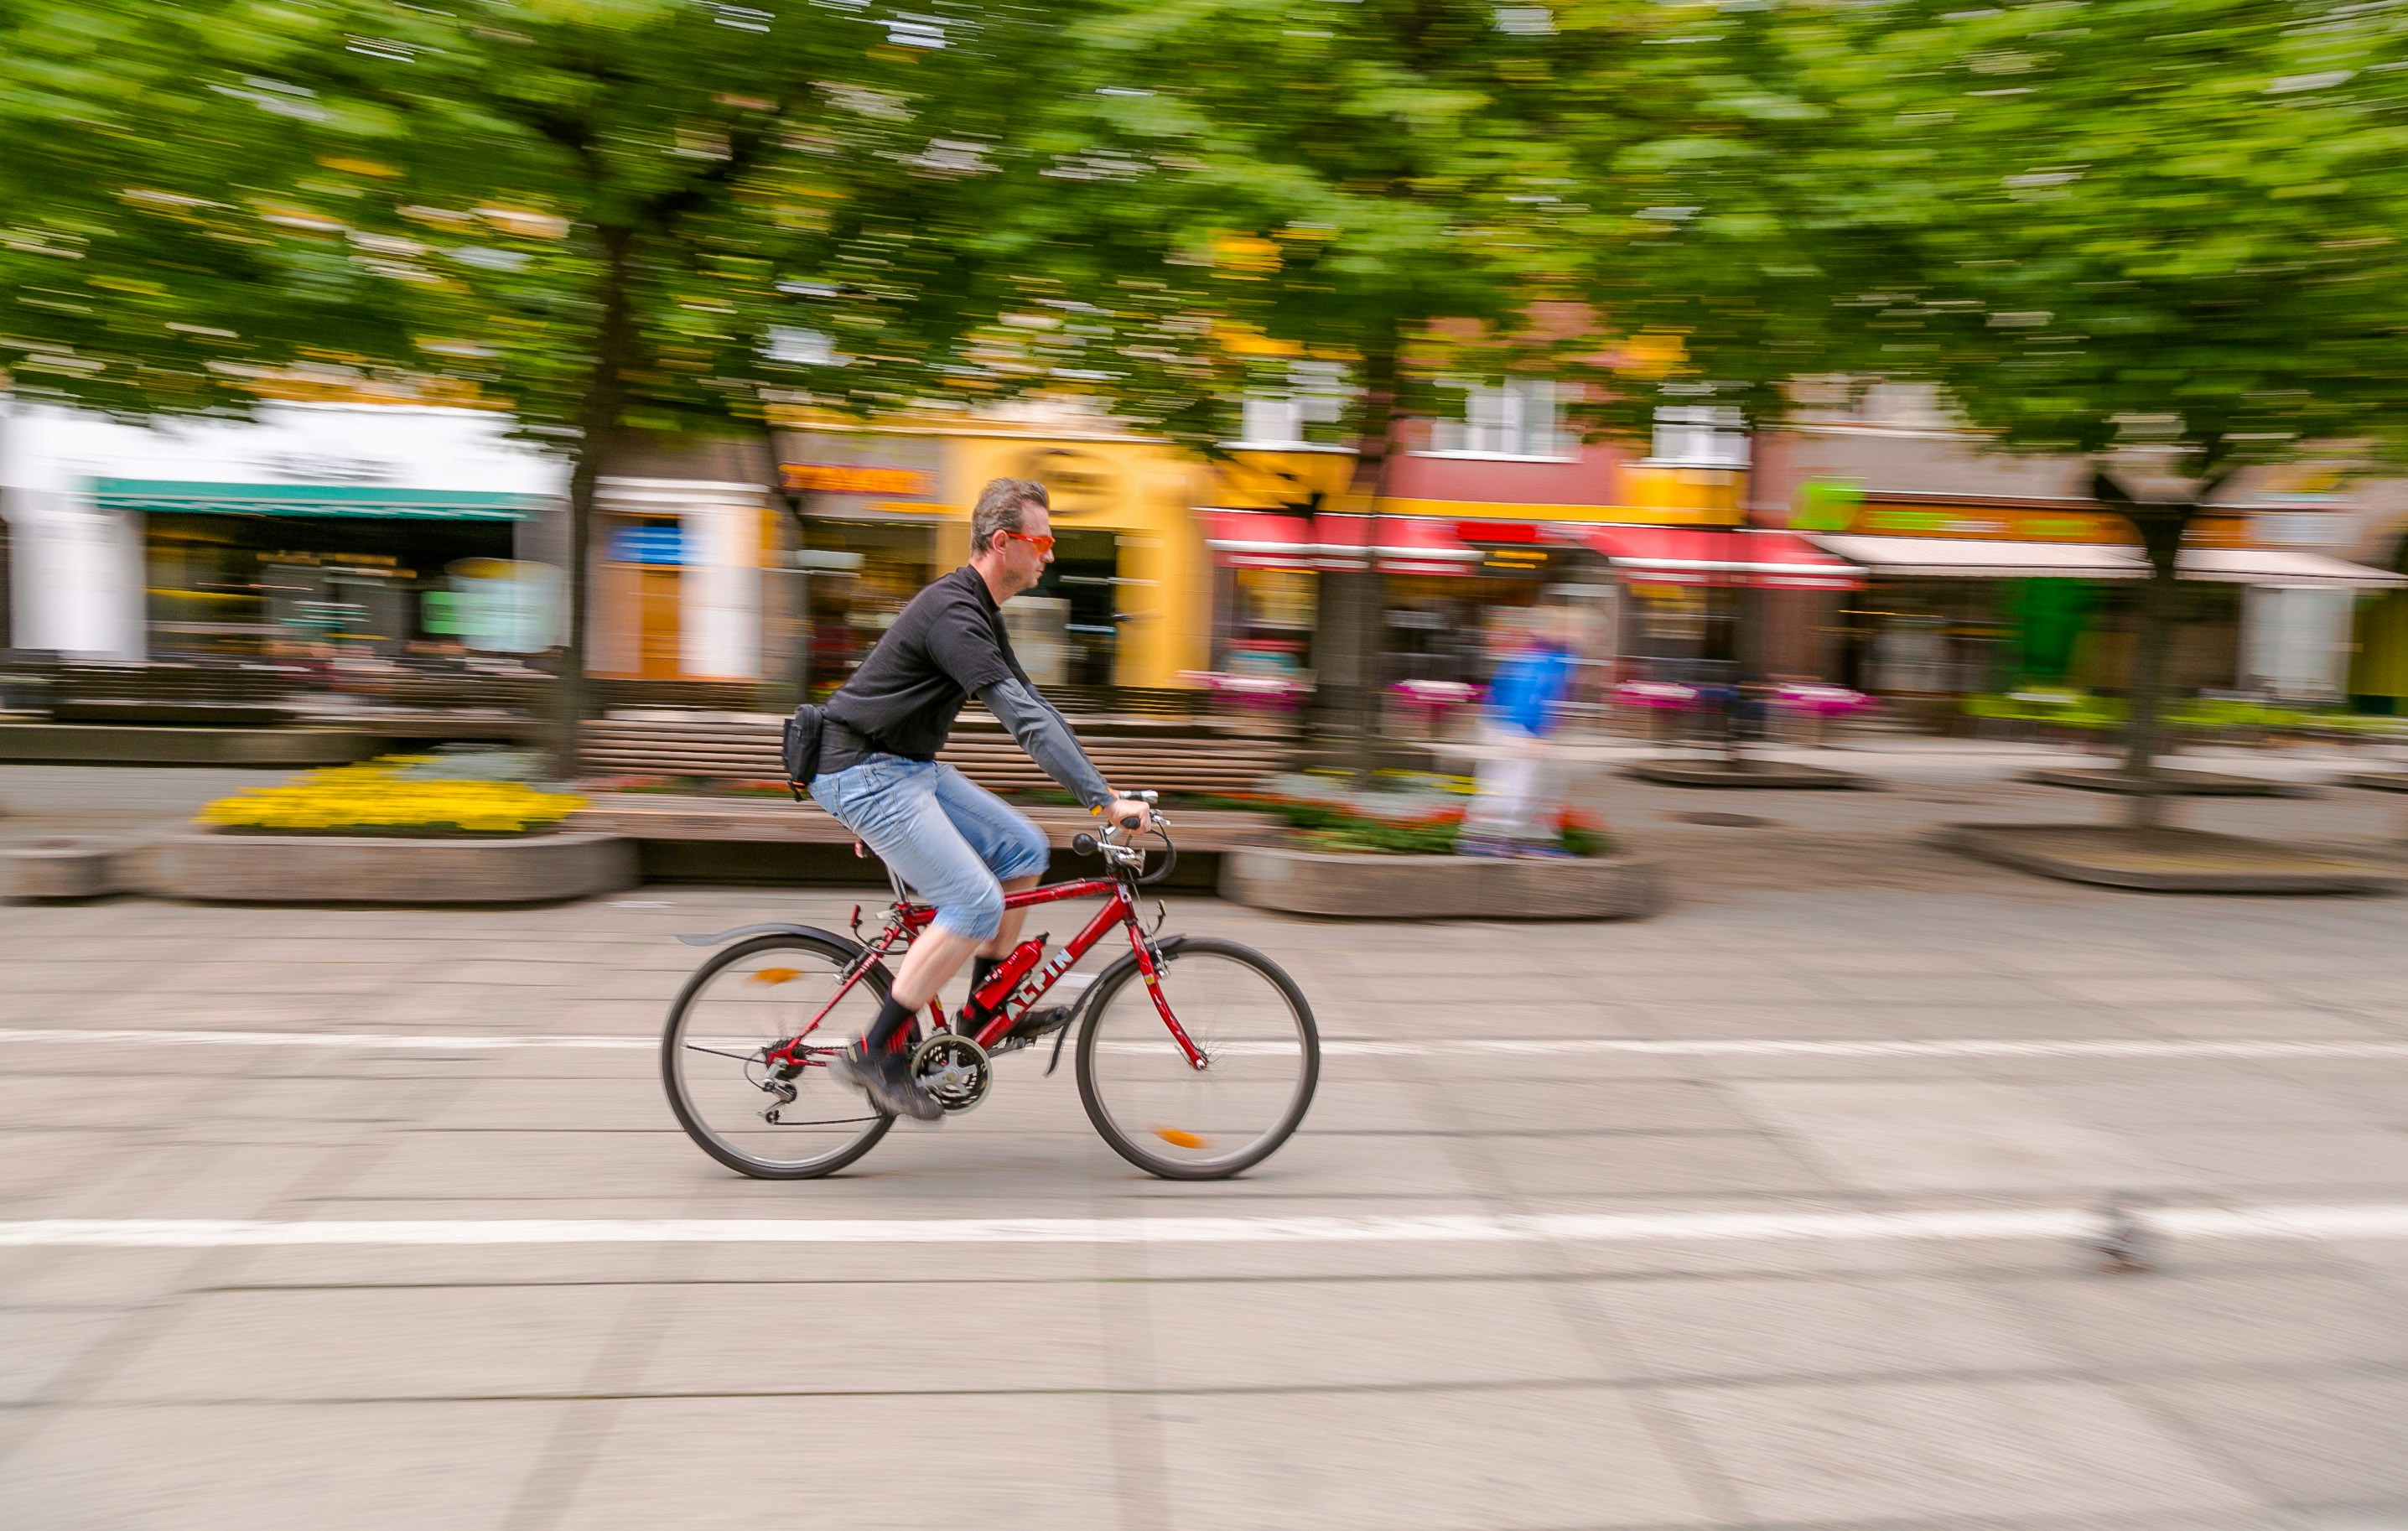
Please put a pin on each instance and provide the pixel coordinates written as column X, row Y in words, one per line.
column 1117, row 813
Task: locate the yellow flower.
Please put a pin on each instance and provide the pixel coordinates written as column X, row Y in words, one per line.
column 372, row 797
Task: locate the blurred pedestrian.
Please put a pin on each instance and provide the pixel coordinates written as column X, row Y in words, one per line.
column 1514, row 809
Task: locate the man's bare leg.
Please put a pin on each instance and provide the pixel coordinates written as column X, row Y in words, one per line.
column 939, row 954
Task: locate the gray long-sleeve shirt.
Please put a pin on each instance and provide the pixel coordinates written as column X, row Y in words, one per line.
column 1045, row 733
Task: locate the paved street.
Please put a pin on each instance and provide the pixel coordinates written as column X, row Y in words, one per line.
column 1764, row 1212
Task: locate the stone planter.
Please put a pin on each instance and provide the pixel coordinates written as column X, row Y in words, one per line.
column 60, row 868
column 139, row 744
column 1373, row 887
column 2168, row 860
column 362, row 869
column 1773, row 775
column 2170, row 783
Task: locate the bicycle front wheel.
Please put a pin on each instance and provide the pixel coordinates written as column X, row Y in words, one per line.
column 746, row 1000
column 1262, row 1059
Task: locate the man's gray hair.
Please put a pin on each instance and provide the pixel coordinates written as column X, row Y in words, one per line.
column 999, row 508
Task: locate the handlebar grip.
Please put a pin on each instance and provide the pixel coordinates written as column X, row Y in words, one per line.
column 1130, row 821
column 1082, row 844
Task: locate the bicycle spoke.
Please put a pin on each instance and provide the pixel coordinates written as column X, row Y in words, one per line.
column 753, row 1056
column 748, row 1002
column 1262, row 1061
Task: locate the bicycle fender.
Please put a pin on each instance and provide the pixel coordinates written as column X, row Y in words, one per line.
column 742, row 931
column 1112, row 970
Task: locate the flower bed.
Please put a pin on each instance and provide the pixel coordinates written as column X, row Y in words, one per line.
column 1809, row 699
column 1414, row 815
column 399, row 797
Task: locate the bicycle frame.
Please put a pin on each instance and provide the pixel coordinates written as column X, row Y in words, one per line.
column 906, row 920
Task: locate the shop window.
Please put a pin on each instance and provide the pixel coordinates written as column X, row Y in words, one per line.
column 1308, row 411
column 1072, row 614
column 1517, row 417
column 245, row 586
column 858, row 574
column 1700, row 435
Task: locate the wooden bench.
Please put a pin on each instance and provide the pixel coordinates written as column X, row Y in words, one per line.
column 1165, row 755
column 89, row 691
column 663, row 816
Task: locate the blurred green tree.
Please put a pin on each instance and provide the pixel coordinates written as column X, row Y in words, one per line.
column 609, row 217
column 2168, row 237
column 1345, row 198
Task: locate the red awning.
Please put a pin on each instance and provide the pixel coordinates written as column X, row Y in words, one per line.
column 1403, row 544
column 1262, row 540
column 1695, row 555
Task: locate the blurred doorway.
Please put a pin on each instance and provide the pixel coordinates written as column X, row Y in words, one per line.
column 657, row 629
column 1085, row 576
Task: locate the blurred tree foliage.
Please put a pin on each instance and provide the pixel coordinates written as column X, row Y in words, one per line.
column 605, row 215
column 2095, row 224
column 1237, row 187
column 1352, row 200
column 2168, row 234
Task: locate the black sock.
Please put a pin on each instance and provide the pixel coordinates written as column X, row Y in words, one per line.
column 981, row 969
column 893, row 1017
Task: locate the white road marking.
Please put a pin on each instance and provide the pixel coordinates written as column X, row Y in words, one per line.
column 1962, row 1047
column 2380, row 1220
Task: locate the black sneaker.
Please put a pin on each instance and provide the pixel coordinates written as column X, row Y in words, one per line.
column 1045, row 1023
column 886, row 1080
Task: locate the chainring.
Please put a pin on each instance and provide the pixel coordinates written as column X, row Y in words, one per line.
column 955, row 1069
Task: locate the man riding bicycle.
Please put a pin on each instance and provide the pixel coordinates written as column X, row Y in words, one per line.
column 957, row 844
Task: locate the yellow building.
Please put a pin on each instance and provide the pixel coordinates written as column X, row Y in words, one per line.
column 1127, row 601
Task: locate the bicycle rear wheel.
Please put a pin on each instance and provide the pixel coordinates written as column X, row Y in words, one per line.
column 1261, row 1049
column 746, row 1000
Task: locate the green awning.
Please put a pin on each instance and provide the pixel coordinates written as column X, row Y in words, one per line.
column 313, row 500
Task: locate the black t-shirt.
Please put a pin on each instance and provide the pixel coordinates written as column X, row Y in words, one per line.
column 947, row 645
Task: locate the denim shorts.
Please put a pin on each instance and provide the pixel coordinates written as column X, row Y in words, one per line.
column 951, row 841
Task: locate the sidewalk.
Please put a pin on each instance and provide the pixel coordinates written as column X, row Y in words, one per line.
column 1763, row 1214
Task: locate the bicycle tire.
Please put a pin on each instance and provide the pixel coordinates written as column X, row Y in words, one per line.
column 823, row 943
column 1098, row 1006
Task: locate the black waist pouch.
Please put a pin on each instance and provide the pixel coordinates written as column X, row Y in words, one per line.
column 800, row 750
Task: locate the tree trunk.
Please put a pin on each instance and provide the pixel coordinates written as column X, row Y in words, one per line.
column 1350, row 622
column 1731, row 635
column 2162, row 538
column 598, row 427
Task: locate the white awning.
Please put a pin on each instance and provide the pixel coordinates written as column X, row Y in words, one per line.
column 1977, row 558
column 2283, row 566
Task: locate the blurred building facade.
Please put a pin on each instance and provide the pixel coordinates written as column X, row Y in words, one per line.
column 884, row 510
column 1497, row 509
column 314, row 529
column 1987, row 572
column 1872, row 543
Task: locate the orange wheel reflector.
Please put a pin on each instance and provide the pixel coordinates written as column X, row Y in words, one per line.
column 1177, row 1138
column 777, row 975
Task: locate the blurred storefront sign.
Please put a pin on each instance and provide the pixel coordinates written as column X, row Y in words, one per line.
column 155, row 497
column 854, row 480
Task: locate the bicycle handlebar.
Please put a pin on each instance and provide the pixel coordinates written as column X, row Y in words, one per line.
column 1122, row 853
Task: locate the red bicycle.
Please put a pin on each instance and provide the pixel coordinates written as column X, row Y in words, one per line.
column 1196, row 1057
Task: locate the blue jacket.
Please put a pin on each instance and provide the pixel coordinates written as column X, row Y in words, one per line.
column 1529, row 689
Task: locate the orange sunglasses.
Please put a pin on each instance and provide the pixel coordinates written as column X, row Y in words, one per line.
column 1042, row 544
